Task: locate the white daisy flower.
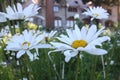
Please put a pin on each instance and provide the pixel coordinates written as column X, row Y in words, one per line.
column 80, row 40
column 96, row 13
column 17, row 12
column 50, row 35
column 25, row 42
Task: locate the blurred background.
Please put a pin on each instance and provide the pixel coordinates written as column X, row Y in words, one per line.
column 60, row 13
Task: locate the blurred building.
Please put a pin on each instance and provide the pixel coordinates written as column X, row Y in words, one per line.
column 65, row 10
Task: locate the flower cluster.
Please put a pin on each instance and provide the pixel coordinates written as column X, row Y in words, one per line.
column 74, row 41
column 22, row 41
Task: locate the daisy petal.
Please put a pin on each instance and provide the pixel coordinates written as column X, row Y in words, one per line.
column 69, row 54
column 91, row 32
column 99, row 41
column 94, row 51
column 30, row 55
column 20, row 53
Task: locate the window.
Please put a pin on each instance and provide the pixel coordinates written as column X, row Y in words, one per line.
column 72, row 9
column 58, row 22
column 70, row 22
column 55, row 8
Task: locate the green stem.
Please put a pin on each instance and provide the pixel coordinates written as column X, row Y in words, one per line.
column 49, row 71
column 21, row 69
column 82, row 70
column 63, row 66
column 10, row 26
column 13, row 24
column 21, row 24
column 48, row 64
column 27, row 73
column 104, row 73
column 54, row 67
column 77, row 68
column 93, row 68
column 26, row 64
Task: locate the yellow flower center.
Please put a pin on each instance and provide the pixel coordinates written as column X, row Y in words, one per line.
column 96, row 14
column 79, row 43
column 26, row 43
